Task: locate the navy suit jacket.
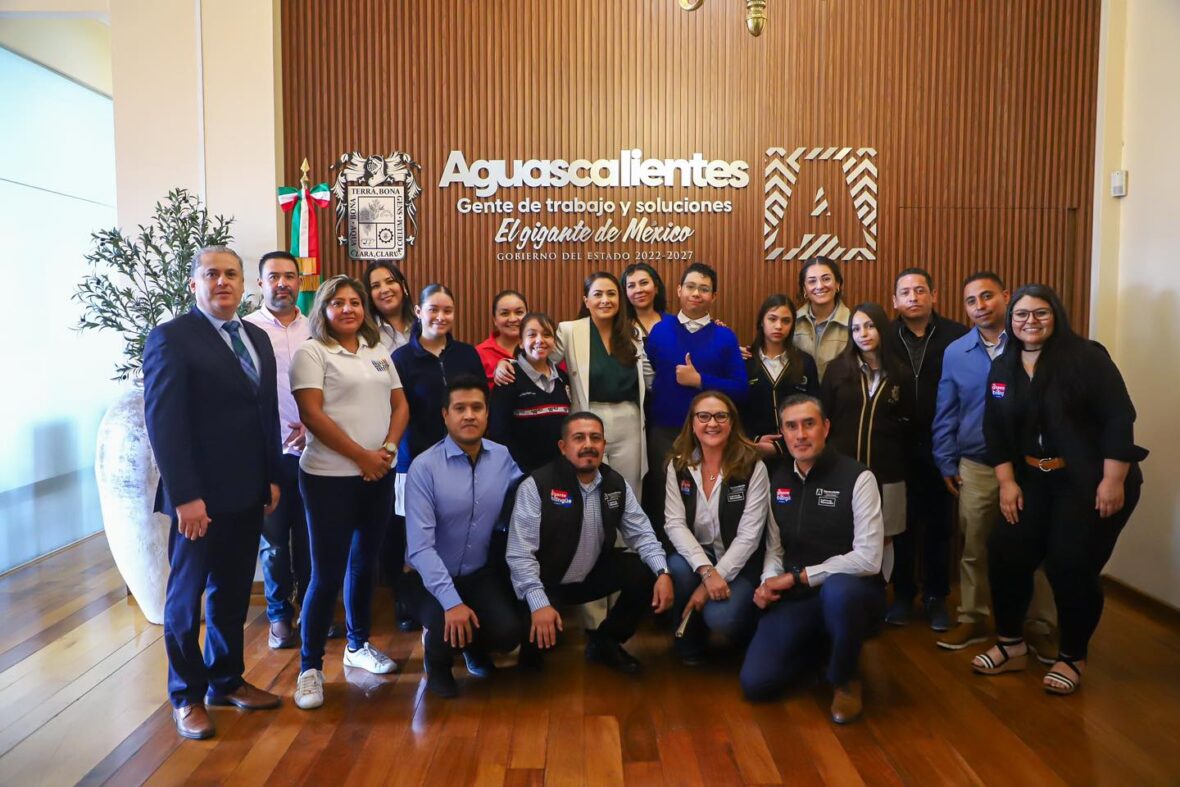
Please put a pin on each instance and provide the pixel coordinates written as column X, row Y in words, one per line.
column 213, row 435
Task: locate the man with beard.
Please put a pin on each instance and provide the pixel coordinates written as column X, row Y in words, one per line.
column 561, row 548
column 959, row 451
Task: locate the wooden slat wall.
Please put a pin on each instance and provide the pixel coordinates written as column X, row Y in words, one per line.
column 982, row 113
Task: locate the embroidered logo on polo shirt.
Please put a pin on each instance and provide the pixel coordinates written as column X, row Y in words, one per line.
column 612, row 499
column 782, row 495
column 560, row 497
column 827, row 497
column 998, row 390
column 686, row 488
column 380, row 364
column 737, row 493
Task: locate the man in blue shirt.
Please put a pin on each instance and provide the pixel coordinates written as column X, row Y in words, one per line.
column 959, row 449
column 455, row 500
column 689, row 354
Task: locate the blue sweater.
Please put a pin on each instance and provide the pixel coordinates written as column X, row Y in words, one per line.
column 715, row 355
column 958, row 415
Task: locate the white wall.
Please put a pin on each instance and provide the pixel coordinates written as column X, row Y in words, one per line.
column 1145, row 297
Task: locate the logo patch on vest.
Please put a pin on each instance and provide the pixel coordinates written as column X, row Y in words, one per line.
column 560, row 497
column 737, row 493
column 381, row 365
column 612, row 499
column 998, row 390
column 827, row 497
column 686, row 488
column 782, row 495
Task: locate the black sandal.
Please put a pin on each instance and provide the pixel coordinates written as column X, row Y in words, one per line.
column 1057, row 682
column 986, row 665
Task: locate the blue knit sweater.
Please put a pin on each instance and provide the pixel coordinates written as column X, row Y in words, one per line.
column 715, row 355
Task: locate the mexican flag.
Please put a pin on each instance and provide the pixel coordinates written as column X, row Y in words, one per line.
column 305, row 238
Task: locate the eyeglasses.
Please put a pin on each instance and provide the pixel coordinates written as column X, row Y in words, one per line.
column 1037, row 315
column 720, row 417
column 703, row 289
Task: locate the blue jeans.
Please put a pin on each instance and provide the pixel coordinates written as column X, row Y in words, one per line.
column 345, row 514
column 792, row 634
column 285, row 556
column 734, row 618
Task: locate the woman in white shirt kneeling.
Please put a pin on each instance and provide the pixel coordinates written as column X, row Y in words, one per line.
column 716, row 498
column 351, row 401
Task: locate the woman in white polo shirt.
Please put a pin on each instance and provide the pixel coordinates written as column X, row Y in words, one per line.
column 351, row 401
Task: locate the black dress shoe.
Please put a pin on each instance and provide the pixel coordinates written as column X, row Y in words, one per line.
column 479, row 665
column 440, row 681
column 337, row 630
column 405, row 617
column 611, row 654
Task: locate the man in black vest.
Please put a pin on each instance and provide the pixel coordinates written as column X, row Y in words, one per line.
column 561, row 548
column 821, row 580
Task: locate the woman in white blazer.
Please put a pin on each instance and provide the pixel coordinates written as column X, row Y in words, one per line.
column 608, row 371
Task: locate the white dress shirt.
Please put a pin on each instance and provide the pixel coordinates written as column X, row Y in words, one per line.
column 693, row 325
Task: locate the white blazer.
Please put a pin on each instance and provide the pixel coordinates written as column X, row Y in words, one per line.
column 573, row 346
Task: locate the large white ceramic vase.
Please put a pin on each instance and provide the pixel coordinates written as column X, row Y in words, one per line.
column 127, row 476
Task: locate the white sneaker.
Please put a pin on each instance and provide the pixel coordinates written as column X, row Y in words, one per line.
column 370, row 659
column 309, row 689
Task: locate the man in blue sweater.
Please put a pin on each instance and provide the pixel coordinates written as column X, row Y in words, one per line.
column 959, row 450
column 690, row 355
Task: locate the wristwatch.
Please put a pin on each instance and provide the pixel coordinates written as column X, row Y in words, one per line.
column 390, row 448
column 797, row 573
column 661, row 572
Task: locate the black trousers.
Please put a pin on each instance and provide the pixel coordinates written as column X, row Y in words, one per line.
column 221, row 566
column 489, row 594
column 617, row 571
column 1059, row 527
column 925, row 546
column 659, row 446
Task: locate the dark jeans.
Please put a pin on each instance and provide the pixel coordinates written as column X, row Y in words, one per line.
column 489, row 594
column 285, row 555
column 617, row 571
column 659, row 446
column 926, row 543
column 734, row 618
column 346, row 518
column 1060, row 527
column 220, row 565
column 791, row 635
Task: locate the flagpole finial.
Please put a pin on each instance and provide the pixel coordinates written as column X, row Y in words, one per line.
column 304, row 169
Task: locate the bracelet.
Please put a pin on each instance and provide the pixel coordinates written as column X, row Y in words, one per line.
column 708, row 573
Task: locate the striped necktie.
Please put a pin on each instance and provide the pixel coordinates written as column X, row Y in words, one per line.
column 244, row 359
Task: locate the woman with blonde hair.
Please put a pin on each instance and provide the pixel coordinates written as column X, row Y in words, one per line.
column 717, row 493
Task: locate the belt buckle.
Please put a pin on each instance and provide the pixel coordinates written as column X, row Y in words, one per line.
column 1041, row 465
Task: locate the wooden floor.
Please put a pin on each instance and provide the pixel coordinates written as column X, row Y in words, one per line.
column 82, row 699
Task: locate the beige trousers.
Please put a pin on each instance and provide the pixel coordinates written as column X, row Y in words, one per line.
column 979, row 512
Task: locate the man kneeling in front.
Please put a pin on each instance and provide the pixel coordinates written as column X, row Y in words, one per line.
column 821, row 583
column 561, row 548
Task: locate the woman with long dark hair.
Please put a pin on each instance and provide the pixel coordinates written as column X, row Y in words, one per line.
column 822, row 320
column 647, row 298
column 870, row 406
column 389, row 303
column 508, row 310
column 526, row 414
column 1060, row 434
column 350, row 399
column 717, row 494
column 777, row 368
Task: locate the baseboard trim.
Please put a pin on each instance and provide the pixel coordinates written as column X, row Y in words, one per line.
column 1134, row 597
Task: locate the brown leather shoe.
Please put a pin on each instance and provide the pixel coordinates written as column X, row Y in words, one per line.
column 846, row 704
column 247, row 697
column 282, row 636
column 192, row 721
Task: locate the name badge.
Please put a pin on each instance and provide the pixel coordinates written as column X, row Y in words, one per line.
column 737, row 493
column 998, row 390
column 560, row 497
column 612, row 499
column 782, row 495
column 827, row 497
column 381, row 365
column 686, row 488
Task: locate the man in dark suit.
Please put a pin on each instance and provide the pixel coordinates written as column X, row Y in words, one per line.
column 212, row 418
